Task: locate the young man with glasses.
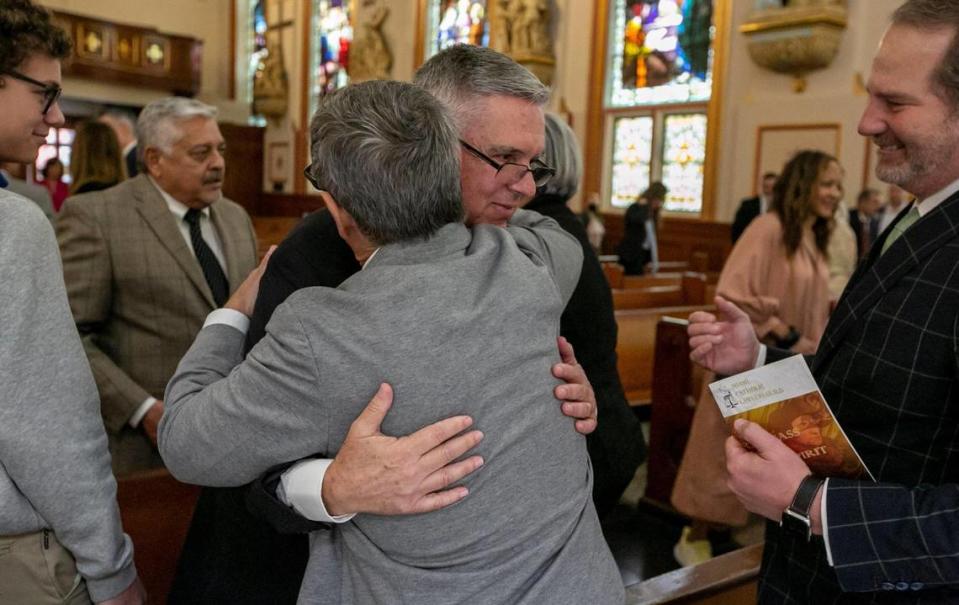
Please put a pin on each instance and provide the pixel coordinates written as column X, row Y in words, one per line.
column 60, row 534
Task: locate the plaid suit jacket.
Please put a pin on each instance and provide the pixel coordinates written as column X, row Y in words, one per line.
column 139, row 297
column 887, row 365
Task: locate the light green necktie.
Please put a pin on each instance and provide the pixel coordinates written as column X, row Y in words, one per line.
column 911, row 217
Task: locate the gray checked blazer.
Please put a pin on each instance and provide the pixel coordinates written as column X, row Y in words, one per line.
column 888, row 364
column 464, row 323
column 139, row 297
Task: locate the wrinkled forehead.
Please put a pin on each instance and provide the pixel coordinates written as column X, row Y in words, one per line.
column 506, row 125
column 195, row 130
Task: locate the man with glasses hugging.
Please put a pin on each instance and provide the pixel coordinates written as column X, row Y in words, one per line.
column 232, row 556
column 457, row 320
column 60, row 534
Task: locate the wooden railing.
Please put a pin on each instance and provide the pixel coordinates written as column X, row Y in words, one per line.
column 729, row 579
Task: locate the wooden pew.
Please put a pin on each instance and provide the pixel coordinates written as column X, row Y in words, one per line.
column 676, row 384
column 635, row 346
column 729, row 579
column 271, row 230
column 662, row 278
column 614, row 273
column 156, row 510
column 648, row 297
column 690, row 289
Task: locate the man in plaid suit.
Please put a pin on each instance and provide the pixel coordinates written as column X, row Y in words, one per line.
column 888, row 363
column 139, row 283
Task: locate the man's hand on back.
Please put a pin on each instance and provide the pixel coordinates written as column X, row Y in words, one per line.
column 375, row 473
column 579, row 400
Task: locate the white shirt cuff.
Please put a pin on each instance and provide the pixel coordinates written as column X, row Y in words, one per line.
column 301, row 487
column 760, row 357
column 228, row 317
column 141, row 411
column 825, row 523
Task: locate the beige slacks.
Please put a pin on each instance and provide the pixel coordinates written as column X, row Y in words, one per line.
column 35, row 568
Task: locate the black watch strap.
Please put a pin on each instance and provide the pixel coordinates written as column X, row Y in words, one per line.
column 796, row 516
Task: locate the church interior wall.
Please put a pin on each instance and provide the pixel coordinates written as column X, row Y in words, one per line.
column 752, row 98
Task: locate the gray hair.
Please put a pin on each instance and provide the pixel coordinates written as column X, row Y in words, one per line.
column 562, row 154
column 461, row 74
column 931, row 15
column 158, row 125
column 126, row 118
column 389, row 155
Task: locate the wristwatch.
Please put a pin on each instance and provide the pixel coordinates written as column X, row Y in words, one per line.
column 795, row 518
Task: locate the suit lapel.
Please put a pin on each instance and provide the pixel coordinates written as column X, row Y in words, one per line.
column 154, row 210
column 880, row 272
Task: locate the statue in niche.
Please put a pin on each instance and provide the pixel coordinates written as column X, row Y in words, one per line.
column 270, row 84
column 370, row 57
column 500, row 26
column 530, row 28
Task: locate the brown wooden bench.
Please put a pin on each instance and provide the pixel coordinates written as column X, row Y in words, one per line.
column 676, row 384
column 614, row 273
column 689, row 289
column 662, row 278
column 729, row 579
column 635, row 347
column 156, row 510
column 271, row 230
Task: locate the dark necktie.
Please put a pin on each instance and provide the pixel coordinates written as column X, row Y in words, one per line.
column 211, row 267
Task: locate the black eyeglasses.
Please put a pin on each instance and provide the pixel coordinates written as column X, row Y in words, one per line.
column 308, row 173
column 50, row 92
column 511, row 172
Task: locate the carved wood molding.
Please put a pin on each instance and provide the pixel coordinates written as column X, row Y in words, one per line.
column 132, row 55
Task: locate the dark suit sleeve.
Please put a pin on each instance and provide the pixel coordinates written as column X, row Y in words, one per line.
column 616, row 448
column 311, row 255
column 744, row 215
column 883, row 534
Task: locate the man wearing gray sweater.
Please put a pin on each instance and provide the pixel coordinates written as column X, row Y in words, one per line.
column 456, row 320
column 60, row 534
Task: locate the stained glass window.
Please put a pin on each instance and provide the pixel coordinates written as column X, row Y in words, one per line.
column 632, row 154
column 256, row 51
column 58, row 145
column 660, row 52
column 333, row 35
column 684, row 154
column 456, row 22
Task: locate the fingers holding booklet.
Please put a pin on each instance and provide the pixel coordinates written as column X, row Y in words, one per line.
column 783, row 399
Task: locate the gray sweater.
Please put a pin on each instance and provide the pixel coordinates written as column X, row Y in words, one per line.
column 54, row 464
column 465, row 322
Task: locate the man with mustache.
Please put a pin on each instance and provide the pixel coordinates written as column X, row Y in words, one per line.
column 888, row 363
column 146, row 261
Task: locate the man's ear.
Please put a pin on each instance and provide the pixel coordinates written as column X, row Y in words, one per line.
column 344, row 222
column 151, row 157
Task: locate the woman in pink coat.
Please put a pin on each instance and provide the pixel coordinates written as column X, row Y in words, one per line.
column 778, row 274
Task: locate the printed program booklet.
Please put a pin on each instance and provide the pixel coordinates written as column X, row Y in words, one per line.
column 783, row 398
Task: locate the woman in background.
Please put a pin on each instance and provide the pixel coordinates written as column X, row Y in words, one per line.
column 639, row 246
column 96, row 161
column 593, row 220
column 617, row 447
column 52, row 173
column 778, row 274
